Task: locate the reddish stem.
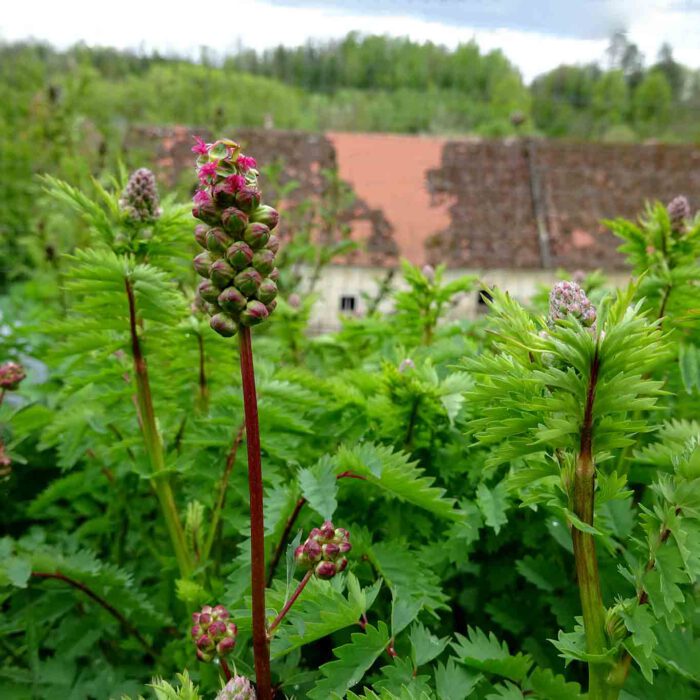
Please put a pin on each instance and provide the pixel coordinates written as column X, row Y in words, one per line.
column 257, row 532
column 291, row 600
column 225, row 669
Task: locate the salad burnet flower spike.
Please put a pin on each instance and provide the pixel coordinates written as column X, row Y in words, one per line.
column 238, row 688
column 213, row 632
column 568, row 300
column 236, row 233
column 324, row 550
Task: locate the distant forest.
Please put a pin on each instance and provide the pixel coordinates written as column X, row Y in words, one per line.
column 362, row 83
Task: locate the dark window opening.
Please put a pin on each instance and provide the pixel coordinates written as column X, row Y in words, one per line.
column 347, row 302
column 484, row 296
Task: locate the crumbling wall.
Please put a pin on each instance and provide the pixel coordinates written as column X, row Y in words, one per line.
column 497, row 190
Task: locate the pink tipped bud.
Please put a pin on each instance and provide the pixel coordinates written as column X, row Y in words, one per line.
column 234, row 220
column 266, row 215
column 225, row 646
column 195, row 617
column 202, row 263
column 264, row 261
column 341, row 534
column 218, row 240
column 221, row 273
column 327, row 530
column 273, row 244
column 196, row 631
column 325, row 569
column 224, row 325
column 274, row 275
column 294, row 300
column 248, row 198
column 238, row 688
column 344, row 547
column 256, row 235
column 331, row 550
column 248, row 281
column 240, row 255
column 232, row 300
column 256, row 312
column 205, row 643
column 207, row 609
column 217, row 629
column 406, row 365
column 231, row 629
column 341, row 564
column 206, row 212
column 271, row 306
column 11, row 375
column 208, row 291
column 267, row 291
column 313, row 550
column 200, row 234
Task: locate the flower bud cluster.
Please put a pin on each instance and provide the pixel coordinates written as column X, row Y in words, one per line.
column 238, row 262
column 324, row 550
column 238, row 688
column 213, row 633
column 11, row 374
column 678, row 211
column 140, row 201
column 568, row 300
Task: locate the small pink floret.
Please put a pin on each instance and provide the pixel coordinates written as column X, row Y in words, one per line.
column 201, row 197
column 246, row 162
column 207, row 172
column 200, row 146
column 234, row 183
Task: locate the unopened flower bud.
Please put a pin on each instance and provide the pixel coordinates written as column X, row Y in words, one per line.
column 264, row 261
column 325, row 569
column 678, row 211
column 232, row 300
column 139, row 201
column 274, row 275
column 273, row 244
column 267, row 291
column 256, row 235
column 568, row 300
column 238, row 688
column 271, row 306
column 240, row 255
column 294, row 300
column 313, row 550
column 221, row 273
column 256, row 312
column 202, row 263
column 248, row 281
column 205, row 643
column 331, row 550
column 234, row 220
column 223, row 324
column 224, row 194
column 225, row 646
column 11, row 374
column 208, row 291
column 218, row 240
column 428, row 272
column 248, row 198
column 206, row 212
column 266, row 215
column 327, row 530
column 200, row 234
column 341, row 564
column 217, row 628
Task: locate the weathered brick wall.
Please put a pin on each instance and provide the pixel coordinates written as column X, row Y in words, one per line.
column 494, row 191
column 493, row 208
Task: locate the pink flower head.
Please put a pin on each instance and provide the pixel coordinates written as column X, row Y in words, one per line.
column 246, row 163
column 207, row 172
column 201, row 197
column 200, row 146
column 233, row 183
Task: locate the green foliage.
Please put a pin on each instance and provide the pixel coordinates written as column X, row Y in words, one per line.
column 447, row 448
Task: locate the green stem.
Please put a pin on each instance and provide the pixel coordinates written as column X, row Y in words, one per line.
column 154, row 445
column 584, row 548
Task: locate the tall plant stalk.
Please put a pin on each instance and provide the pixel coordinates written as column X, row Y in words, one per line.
column 584, row 547
column 261, row 645
column 154, row 444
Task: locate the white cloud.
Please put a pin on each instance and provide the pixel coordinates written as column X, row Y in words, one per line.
column 183, row 28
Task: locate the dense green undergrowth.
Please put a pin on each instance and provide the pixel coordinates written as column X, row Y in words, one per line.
column 468, row 442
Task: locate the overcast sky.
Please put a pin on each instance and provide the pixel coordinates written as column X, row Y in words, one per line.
column 536, row 35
